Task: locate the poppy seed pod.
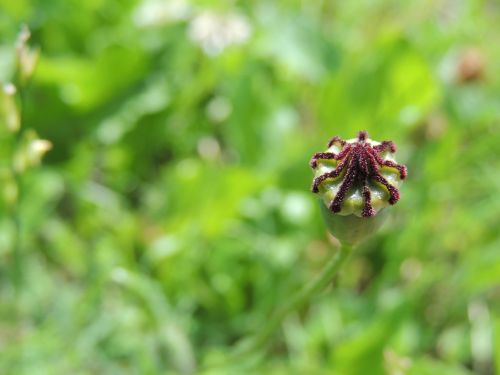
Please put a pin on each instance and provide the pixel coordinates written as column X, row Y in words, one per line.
column 356, row 179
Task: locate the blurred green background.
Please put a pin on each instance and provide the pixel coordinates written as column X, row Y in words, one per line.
column 173, row 213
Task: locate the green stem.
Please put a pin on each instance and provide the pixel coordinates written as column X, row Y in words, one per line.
column 17, row 240
column 17, row 276
column 262, row 338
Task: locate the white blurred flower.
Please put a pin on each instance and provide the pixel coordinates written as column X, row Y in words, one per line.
column 8, row 108
column 9, row 89
column 37, row 148
column 208, row 148
column 40, row 146
column 219, row 109
column 30, row 152
column 161, row 12
column 214, row 32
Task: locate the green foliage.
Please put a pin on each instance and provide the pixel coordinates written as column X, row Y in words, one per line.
column 172, row 215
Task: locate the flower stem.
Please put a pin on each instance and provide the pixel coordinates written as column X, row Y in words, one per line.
column 261, row 339
column 18, row 268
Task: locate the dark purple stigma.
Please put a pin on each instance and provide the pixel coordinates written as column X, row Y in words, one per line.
column 362, row 135
column 358, row 163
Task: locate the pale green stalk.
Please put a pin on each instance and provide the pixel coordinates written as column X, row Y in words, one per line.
column 17, row 276
column 263, row 337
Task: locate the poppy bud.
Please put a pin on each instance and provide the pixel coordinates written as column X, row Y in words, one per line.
column 356, row 179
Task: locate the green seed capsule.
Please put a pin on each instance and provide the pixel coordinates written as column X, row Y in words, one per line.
column 356, row 179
